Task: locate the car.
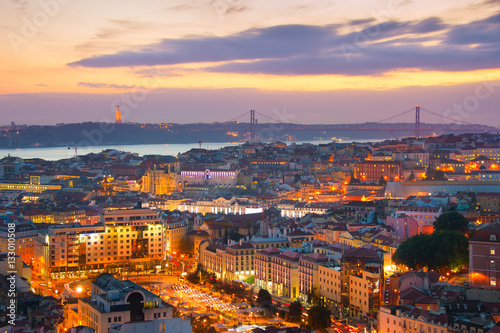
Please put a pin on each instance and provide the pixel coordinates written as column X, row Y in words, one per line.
column 387, row 292
column 388, row 280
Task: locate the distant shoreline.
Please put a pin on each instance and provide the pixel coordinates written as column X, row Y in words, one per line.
column 93, row 134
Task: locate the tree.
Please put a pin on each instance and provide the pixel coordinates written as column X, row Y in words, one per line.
column 318, row 317
column 248, row 225
column 186, row 245
column 264, row 299
column 382, row 181
column 441, row 251
column 297, row 178
column 411, row 177
column 313, row 297
column 435, row 175
column 352, row 179
column 235, row 235
column 451, row 221
column 295, row 311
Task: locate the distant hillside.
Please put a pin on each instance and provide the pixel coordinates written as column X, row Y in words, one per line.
column 85, row 134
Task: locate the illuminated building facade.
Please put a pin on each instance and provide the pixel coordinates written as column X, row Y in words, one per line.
column 361, row 271
column 220, row 205
column 72, row 249
column 58, row 250
column 364, row 293
column 372, row 171
column 329, row 286
column 308, row 273
column 263, row 263
column 285, row 274
column 160, row 182
column 175, row 231
column 213, row 258
column 206, row 176
column 239, row 261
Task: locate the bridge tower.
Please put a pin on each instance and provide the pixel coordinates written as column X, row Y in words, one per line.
column 252, row 125
column 417, row 122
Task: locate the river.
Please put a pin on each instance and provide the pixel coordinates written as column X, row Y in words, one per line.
column 58, row 153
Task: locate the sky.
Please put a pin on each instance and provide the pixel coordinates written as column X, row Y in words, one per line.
column 295, row 61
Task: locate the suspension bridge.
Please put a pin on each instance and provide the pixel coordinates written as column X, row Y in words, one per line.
column 415, row 122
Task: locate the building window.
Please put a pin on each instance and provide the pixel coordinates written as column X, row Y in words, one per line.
column 492, row 251
column 492, row 264
column 493, row 281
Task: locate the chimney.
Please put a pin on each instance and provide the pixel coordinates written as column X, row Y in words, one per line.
column 241, row 241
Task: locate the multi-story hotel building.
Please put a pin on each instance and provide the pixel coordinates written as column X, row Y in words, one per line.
column 239, row 261
column 309, row 272
column 58, row 250
column 116, row 302
column 285, row 273
column 213, row 258
column 175, row 231
column 263, row 267
column 364, row 292
column 127, row 235
column 329, row 286
column 363, row 268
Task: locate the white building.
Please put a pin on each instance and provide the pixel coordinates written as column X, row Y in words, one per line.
column 172, row 325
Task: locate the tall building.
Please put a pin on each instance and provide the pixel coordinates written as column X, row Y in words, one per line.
column 285, row 273
column 65, row 250
column 309, row 272
column 361, row 277
column 263, row 266
column 118, row 115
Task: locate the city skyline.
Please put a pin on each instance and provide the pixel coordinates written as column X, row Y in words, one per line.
column 206, row 61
